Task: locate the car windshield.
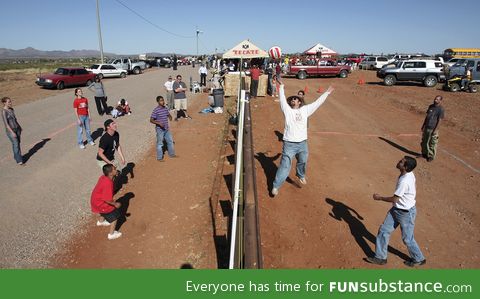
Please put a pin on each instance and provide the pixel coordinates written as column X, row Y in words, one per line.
column 460, row 62
column 61, row 71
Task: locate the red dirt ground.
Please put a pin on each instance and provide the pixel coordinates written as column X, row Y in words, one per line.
column 355, row 141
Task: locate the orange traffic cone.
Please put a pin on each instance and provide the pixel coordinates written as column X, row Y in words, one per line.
column 361, row 81
column 320, row 89
column 305, row 90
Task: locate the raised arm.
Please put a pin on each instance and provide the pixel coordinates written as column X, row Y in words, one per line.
column 283, row 100
column 311, row 108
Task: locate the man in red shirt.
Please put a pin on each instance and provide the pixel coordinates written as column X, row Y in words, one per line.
column 80, row 104
column 255, row 73
column 102, row 201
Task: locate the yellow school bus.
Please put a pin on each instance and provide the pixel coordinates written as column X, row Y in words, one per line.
column 461, row 53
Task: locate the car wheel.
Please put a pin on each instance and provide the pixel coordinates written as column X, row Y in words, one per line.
column 123, row 75
column 430, row 81
column 100, row 76
column 60, row 85
column 88, row 82
column 136, row 70
column 389, row 80
column 343, row 74
column 454, row 87
column 473, row 88
column 302, row 75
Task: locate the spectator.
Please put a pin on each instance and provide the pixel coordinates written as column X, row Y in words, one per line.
column 278, row 71
column 179, row 89
column 123, row 108
column 101, row 201
column 275, row 86
column 100, row 97
column 12, row 128
column 109, row 144
column 435, row 113
column 203, row 75
column 80, row 104
column 160, row 117
column 295, row 136
column 255, row 73
column 403, row 213
column 170, row 94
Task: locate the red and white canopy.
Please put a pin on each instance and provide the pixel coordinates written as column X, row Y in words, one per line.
column 245, row 50
column 319, row 48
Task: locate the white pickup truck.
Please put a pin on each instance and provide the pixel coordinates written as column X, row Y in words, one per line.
column 130, row 65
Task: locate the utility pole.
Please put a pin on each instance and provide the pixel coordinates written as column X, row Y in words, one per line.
column 197, row 33
column 99, row 33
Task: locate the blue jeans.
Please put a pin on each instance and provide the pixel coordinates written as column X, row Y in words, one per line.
column 17, row 154
column 290, row 150
column 85, row 123
column 161, row 135
column 406, row 220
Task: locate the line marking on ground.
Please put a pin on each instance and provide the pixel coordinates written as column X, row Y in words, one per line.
column 461, row 161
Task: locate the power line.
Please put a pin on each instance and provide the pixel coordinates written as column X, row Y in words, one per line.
column 151, row 23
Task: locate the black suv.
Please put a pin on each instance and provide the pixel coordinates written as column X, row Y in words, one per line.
column 429, row 72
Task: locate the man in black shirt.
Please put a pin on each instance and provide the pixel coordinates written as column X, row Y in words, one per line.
column 109, row 143
column 435, row 113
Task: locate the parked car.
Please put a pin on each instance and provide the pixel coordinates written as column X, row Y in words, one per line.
column 453, row 61
column 107, row 70
column 66, row 76
column 322, row 67
column 427, row 71
column 131, row 65
column 374, row 62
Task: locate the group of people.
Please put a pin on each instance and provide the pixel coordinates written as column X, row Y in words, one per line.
column 296, row 113
column 403, row 211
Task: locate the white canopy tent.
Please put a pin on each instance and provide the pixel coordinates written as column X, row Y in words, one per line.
column 245, row 50
column 319, row 48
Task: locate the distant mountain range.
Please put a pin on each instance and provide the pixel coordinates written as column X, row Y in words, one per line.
column 34, row 53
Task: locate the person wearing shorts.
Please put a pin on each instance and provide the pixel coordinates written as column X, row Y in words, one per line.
column 102, row 202
column 179, row 89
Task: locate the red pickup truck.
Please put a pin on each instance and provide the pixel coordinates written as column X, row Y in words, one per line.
column 321, row 67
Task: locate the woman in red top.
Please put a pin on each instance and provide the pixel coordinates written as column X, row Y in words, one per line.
column 102, row 201
column 80, row 104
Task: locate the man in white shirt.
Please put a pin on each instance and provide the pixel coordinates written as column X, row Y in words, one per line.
column 295, row 135
column 170, row 94
column 402, row 213
column 203, row 75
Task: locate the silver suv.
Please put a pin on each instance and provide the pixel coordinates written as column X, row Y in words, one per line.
column 429, row 72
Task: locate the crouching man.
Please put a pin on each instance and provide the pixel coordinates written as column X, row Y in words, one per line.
column 102, row 201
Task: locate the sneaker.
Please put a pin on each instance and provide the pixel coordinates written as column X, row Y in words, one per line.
column 21, row 163
column 376, row 261
column 188, row 117
column 412, row 263
column 103, row 223
column 92, row 143
column 129, row 113
column 81, row 146
column 429, row 159
column 161, row 160
column 114, row 235
column 302, row 181
column 274, row 191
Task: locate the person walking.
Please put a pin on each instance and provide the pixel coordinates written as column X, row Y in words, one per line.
column 100, row 96
column 435, row 113
column 80, row 104
column 179, row 89
column 170, row 94
column 403, row 213
column 203, row 71
column 160, row 117
column 295, row 135
column 12, row 128
column 102, row 203
column 109, row 144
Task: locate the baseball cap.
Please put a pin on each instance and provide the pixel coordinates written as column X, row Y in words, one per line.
column 107, row 123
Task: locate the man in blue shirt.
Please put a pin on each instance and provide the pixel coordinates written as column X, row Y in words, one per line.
column 160, row 117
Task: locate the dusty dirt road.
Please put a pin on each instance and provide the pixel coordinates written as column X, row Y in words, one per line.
column 355, row 140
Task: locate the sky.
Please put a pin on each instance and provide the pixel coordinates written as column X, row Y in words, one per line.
column 142, row 26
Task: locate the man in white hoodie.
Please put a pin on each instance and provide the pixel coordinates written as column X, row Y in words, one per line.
column 295, row 135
